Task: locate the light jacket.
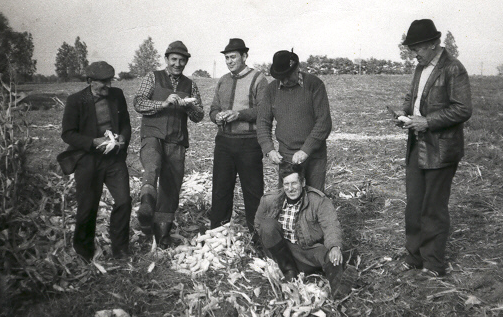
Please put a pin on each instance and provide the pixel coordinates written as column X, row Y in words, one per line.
column 317, row 220
column 445, row 103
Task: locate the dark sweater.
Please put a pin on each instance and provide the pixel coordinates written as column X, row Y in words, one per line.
column 302, row 115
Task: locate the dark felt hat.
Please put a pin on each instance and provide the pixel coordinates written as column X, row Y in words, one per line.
column 100, row 71
column 283, row 63
column 177, row 47
column 421, row 31
column 235, row 45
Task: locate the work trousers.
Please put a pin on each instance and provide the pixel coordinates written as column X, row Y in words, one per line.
column 165, row 162
column 92, row 171
column 426, row 214
column 315, row 169
column 234, row 156
column 308, row 259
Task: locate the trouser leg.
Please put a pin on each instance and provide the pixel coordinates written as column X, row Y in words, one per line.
column 170, row 178
column 151, row 158
column 170, row 183
column 415, row 189
column 250, row 169
column 89, row 186
column 435, row 220
column 224, row 180
column 117, row 182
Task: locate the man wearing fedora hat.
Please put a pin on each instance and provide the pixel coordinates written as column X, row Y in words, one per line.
column 299, row 103
column 166, row 98
column 438, row 104
column 88, row 115
column 234, row 110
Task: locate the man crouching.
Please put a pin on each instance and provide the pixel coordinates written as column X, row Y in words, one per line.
column 298, row 225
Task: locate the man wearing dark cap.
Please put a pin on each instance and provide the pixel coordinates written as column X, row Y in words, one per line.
column 437, row 105
column 166, row 98
column 234, row 110
column 96, row 126
column 299, row 103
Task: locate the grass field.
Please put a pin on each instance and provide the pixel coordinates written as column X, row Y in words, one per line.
column 366, row 155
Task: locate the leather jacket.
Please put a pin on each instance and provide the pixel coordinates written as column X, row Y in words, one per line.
column 446, row 104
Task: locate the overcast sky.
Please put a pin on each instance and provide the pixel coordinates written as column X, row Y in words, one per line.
column 114, row 29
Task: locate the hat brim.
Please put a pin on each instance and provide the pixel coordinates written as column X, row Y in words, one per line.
column 409, row 43
column 244, row 50
column 283, row 74
column 177, row 52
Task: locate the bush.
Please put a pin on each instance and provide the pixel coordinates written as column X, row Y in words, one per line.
column 201, row 73
column 126, row 76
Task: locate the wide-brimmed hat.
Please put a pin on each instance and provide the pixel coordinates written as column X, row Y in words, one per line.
column 235, row 45
column 421, row 31
column 283, row 63
column 177, row 47
column 100, row 71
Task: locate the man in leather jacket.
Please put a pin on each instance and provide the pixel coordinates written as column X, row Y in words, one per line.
column 437, row 105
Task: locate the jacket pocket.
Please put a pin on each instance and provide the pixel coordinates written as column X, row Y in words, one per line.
column 450, row 149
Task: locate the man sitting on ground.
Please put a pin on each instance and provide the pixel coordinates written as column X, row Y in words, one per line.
column 298, row 225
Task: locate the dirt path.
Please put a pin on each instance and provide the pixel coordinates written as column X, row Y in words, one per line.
column 334, row 136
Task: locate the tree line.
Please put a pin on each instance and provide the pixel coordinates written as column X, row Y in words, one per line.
column 16, row 62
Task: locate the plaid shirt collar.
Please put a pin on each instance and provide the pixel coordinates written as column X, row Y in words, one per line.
column 174, row 79
column 300, row 82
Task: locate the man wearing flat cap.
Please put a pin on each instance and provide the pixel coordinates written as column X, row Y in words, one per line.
column 299, row 103
column 166, row 98
column 97, row 128
column 234, row 110
column 437, row 105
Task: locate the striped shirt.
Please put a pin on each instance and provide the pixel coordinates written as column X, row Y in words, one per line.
column 288, row 218
column 145, row 106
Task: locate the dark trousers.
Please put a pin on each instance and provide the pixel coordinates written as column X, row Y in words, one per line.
column 92, row 171
column 315, row 168
column 308, row 259
column 164, row 162
column 234, row 156
column 427, row 214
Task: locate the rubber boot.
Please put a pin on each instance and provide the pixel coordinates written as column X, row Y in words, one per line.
column 161, row 234
column 341, row 281
column 147, row 208
column 283, row 256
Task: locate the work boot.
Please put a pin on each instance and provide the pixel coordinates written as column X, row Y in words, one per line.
column 341, row 281
column 161, row 234
column 147, row 209
column 283, row 256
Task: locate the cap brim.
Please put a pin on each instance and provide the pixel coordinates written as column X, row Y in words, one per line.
column 439, row 34
column 244, row 50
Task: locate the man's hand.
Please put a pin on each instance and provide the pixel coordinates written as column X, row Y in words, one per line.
column 219, row 118
column 231, row 115
column 172, row 99
column 397, row 122
column 275, row 156
column 97, row 143
column 417, row 124
column 335, row 255
column 121, row 141
column 299, row 157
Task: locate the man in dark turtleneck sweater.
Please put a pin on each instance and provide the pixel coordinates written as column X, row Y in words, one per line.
column 298, row 226
column 298, row 102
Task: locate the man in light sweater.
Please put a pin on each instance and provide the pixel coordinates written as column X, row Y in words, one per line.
column 234, row 110
column 299, row 103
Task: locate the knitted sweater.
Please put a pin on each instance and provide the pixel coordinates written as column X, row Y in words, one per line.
column 241, row 93
column 302, row 114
